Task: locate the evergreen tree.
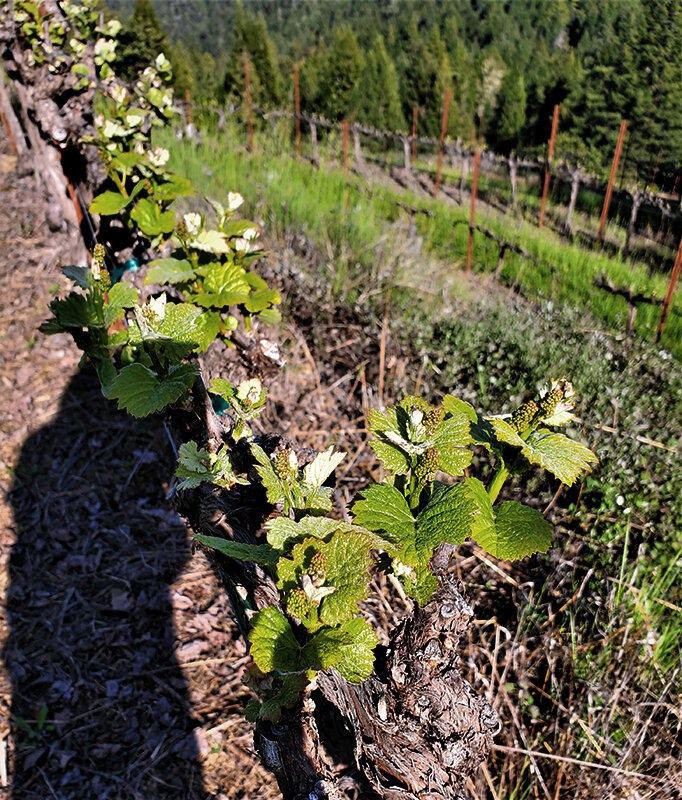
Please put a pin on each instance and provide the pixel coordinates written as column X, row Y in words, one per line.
column 340, row 75
column 140, row 41
column 377, row 97
column 510, row 116
column 251, row 40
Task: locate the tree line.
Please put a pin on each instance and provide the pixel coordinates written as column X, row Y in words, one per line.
column 505, row 63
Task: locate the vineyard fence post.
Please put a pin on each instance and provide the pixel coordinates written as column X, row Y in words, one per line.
column 612, row 177
column 637, row 198
column 575, row 186
column 550, row 155
column 357, row 150
column 297, row 111
column 669, row 294
column 513, row 179
column 406, row 152
column 313, row 143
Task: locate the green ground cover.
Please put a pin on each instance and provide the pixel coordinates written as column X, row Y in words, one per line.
column 288, row 192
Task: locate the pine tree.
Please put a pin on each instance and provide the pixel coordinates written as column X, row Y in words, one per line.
column 251, row 40
column 510, row 114
column 377, row 96
column 140, row 41
column 340, row 75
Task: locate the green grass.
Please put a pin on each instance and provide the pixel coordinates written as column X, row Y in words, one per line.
column 288, row 194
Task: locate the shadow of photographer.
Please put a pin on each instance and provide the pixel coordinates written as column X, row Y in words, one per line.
column 99, row 703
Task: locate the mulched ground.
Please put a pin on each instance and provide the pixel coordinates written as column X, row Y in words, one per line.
column 120, row 668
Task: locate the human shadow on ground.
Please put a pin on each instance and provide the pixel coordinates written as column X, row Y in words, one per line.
column 99, row 704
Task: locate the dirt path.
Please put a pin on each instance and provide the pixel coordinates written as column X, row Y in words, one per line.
column 120, row 667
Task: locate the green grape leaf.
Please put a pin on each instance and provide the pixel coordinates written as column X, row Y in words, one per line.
column 175, row 187
column 555, row 452
column 81, row 276
column 453, row 405
column 357, row 657
column 453, row 514
column 208, row 327
column 271, row 483
column 273, row 644
column 270, row 316
column 452, row 436
column 210, row 242
column 391, row 456
column 483, row 433
column 324, row 649
column 563, row 457
column 224, row 285
column 142, row 392
column 504, row 432
column 106, row 372
column 282, row 531
column 198, row 465
column 76, row 311
column 422, row 585
column 259, row 301
column 321, row 467
column 260, row 553
column 120, row 297
column 319, row 500
column 239, row 227
column 109, row 203
column 151, row 219
column 169, row 270
column 348, row 562
column 519, row 531
column 380, row 423
column 383, row 509
column 287, row 691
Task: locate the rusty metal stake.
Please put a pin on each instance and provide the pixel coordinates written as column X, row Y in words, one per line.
column 247, row 100
column 612, row 177
column 344, row 145
column 550, row 155
column 443, row 129
column 669, row 294
column 297, row 109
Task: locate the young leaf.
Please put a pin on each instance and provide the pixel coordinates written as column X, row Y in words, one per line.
column 325, row 648
column 453, row 514
column 453, row 405
column 271, row 482
column 282, row 531
column 555, row 452
column 273, row 644
column 452, row 437
column 169, row 270
column 76, row 311
column 321, row 467
column 391, row 456
column 383, row 509
column 196, row 466
column 519, row 531
column 357, row 658
column 224, row 285
column 349, row 560
column 142, row 392
column 563, row 457
column 81, row 276
column 151, row 219
column 120, row 297
column 260, row 553
column 109, row 203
